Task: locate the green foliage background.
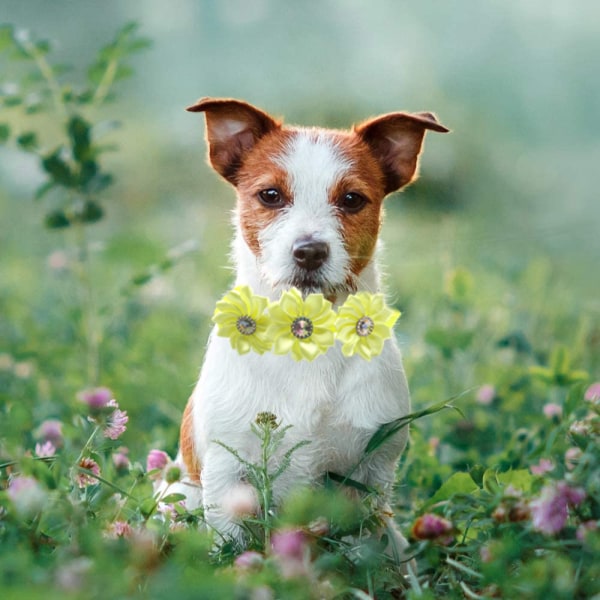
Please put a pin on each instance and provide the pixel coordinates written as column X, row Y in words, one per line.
column 492, row 255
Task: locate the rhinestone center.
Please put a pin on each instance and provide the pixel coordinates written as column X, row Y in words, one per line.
column 246, row 325
column 365, row 326
column 302, row 328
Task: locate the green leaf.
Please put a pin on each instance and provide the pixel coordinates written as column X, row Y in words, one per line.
column 10, row 101
column 43, row 190
column 459, row 483
column 123, row 72
column 79, row 134
column 58, row 169
column 574, row 398
column 95, row 72
column 42, row 47
column 87, row 171
column 387, row 430
column 520, row 479
column 57, row 219
column 28, row 141
column 459, row 284
column 560, row 361
column 173, row 498
column 6, row 37
column 349, row 482
column 91, row 213
column 148, row 506
column 142, row 278
column 98, row 183
column 4, row 133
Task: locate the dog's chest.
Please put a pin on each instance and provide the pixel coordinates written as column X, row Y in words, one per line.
column 333, row 403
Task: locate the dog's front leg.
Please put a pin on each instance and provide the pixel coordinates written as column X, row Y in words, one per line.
column 221, row 476
column 378, row 472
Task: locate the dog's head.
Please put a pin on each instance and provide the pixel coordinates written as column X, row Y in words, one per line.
column 310, row 199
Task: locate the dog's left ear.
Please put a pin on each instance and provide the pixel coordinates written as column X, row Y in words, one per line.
column 395, row 140
column 232, row 129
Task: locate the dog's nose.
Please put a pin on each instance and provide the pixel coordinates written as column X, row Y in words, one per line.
column 310, row 254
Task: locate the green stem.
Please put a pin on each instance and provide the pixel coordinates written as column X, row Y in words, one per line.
column 106, row 82
column 267, row 492
column 87, row 444
column 48, row 74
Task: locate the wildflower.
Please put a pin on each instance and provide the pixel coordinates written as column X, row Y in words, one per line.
column 290, row 548
column 45, row 450
column 553, row 411
column 303, row 327
column 249, row 560
column 550, row 511
column 363, row 323
column 512, row 507
column 241, row 501
column 290, row 543
column 120, row 459
column 486, row 394
column 96, row 398
column 58, row 260
column 267, row 420
column 572, row 456
column 592, row 394
column 168, row 510
column 116, row 422
column 581, row 428
column 241, row 317
column 432, row 527
column 84, row 479
column 173, row 473
column 544, row 466
column 23, row 369
column 157, row 460
column 27, row 495
column 120, row 529
column 51, row 431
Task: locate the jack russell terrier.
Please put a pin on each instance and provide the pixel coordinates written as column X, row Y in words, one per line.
column 308, row 215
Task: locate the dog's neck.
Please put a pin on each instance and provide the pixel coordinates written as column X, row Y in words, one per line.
column 248, row 273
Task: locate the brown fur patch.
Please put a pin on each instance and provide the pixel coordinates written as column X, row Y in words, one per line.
column 260, row 172
column 360, row 230
column 186, row 443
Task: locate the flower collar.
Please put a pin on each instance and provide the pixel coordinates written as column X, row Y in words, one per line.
column 304, row 327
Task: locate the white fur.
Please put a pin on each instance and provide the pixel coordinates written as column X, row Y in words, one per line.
column 336, row 403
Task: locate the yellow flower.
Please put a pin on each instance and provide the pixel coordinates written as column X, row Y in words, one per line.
column 241, row 317
column 363, row 323
column 305, row 328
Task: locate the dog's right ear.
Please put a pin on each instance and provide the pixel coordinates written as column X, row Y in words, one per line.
column 232, row 128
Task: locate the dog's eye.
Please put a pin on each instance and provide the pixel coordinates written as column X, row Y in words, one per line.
column 271, row 198
column 352, row 202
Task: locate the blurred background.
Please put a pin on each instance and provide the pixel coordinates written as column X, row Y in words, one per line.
column 510, row 195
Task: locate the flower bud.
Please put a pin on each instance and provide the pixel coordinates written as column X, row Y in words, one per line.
column 432, row 527
column 173, row 474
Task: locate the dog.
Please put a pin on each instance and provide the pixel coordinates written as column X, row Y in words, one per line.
column 308, row 215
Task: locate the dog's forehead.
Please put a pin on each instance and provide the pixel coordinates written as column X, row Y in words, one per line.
column 314, row 160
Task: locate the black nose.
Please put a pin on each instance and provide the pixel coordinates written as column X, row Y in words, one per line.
column 309, row 253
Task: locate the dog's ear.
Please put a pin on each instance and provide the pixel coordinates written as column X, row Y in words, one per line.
column 232, row 128
column 396, row 139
